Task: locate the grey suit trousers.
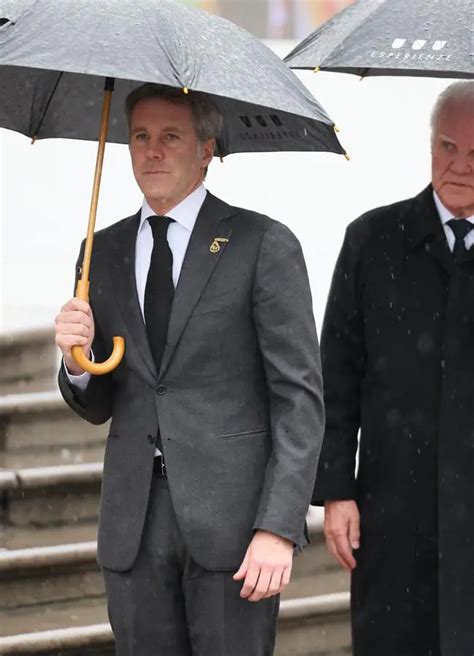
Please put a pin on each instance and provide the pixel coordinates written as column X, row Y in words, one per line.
column 167, row 605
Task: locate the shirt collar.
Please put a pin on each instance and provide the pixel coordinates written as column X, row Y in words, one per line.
column 185, row 213
column 444, row 214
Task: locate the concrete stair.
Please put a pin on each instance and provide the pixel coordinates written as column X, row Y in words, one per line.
column 45, row 506
column 312, row 626
column 29, row 361
column 37, row 428
column 308, row 626
column 51, row 578
column 52, row 595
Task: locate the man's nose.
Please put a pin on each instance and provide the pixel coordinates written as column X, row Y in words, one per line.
column 155, row 149
column 462, row 165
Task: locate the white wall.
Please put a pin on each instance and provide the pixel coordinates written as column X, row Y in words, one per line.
column 45, row 188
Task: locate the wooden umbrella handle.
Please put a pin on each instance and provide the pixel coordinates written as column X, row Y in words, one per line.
column 82, row 290
column 99, row 368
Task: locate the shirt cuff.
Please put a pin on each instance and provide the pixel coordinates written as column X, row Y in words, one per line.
column 82, row 380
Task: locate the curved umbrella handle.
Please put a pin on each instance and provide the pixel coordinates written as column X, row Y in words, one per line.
column 97, row 368
column 82, row 291
column 100, row 368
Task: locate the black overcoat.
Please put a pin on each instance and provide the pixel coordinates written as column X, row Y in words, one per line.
column 398, row 363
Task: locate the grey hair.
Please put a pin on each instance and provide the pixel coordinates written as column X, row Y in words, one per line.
column 458, row 92
column 207, row 119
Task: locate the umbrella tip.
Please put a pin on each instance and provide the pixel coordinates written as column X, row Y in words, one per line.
column 347, row 157
column 33, row 140
column 185, row 90
column 317, row 69
column 222, row 159
column 335, row 128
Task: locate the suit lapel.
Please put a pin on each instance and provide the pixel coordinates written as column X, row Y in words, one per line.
column 198, row 265
column 124, row 284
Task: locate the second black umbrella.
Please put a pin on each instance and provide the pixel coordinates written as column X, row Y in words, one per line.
column 393, row 37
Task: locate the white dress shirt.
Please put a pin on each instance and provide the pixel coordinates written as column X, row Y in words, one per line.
column 445, row 215
column 179, row 233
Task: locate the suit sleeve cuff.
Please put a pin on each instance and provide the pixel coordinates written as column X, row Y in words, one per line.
column 323, row 493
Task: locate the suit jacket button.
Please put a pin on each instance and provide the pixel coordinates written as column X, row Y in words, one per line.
column 161, row 389
column 151, row 439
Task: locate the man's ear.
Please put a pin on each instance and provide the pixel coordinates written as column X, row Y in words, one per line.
column 208, row 148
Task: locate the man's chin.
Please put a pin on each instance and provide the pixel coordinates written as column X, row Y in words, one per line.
column 458, row 199
column 154, row 193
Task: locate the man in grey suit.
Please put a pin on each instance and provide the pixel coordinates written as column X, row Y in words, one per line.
column 217, row 414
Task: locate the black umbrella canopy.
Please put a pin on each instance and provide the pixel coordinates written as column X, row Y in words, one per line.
column 55, row 54
column 432, row 38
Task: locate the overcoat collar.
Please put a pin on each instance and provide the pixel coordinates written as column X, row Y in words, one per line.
column 199, row 263
column 424, row 226
column 423, row 222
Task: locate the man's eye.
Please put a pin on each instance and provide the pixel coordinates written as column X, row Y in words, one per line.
column 170, row 136
column 447, row 145
column 140, row 136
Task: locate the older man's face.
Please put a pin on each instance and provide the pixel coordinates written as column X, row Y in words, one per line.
column 167, row 158
column 453, row 158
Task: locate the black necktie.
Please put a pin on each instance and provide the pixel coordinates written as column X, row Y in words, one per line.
column 159, row 290
column 460, row 227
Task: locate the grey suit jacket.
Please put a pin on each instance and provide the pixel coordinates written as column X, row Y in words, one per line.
column 238, row 399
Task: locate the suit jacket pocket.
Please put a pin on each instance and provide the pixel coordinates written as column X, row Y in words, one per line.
column 216, row 303
column 247, row 433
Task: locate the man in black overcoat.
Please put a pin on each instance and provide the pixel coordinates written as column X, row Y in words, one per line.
column 398, row 364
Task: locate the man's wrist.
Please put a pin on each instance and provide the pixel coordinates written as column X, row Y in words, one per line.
column 72, row 367
column 276, row 536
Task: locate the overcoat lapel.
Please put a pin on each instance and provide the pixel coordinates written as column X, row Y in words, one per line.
column 125, row 290
column 468, row 256
column 424, row 228
column 198, row 265
column 439, row 249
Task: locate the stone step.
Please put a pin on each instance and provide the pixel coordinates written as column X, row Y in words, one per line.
column 28, row 361
column 307, row 567
column 312, row 626
column 75, row 612
column 43, row 506
column 48, row 532
column 38, row 428
column 47, row 505
column 34, row 581
column 315, row 626
column 47, row 536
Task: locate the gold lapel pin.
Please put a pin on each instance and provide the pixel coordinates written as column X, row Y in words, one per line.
column 215, row 246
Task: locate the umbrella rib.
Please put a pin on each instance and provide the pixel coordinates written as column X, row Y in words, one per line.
column 48, row 103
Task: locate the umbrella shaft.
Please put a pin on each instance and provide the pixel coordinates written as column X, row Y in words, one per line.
column 83, row 288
